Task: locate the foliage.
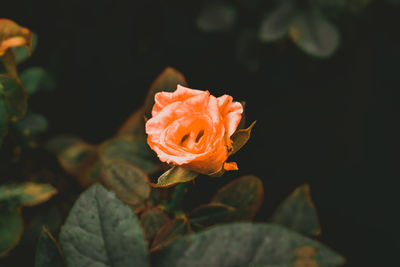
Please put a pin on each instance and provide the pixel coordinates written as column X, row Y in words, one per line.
column 128, row 215
column 22, row 127
column 311, row 25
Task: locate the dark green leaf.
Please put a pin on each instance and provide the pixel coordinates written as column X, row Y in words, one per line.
column 168, row 233
column 102, row 231
column 51, row 218
column 37, row 79
column 276, row 24
column 216, row 17
column 27, row 194
column 209, row 214
column 127, row 181
column 247, row 244
column 11, row 227
column 240, row 138
column 176, row 175
column 314, row 35
column 15, row 97
column 298, row 212
column 165, row 82
column 152, row 220
column 245, row 194
column 48, row 252
column 134, row 151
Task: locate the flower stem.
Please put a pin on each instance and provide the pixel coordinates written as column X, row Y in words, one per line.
column 176, row 199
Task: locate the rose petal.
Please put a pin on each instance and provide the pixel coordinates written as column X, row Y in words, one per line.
column 163, row 99
column 230, row 166
column 231, row 112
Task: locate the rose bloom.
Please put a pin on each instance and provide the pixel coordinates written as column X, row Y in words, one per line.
column 11, row 35
column 192, row 129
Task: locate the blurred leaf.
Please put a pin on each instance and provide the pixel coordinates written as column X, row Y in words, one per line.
column 51, row 218
column 240, row 138
column 23, row 53
column 15, row 97
column 247, row 49
column 48, row 252
column 246, row 244
column 3, row 118
column 298, row 213
column 127, row 181
column 27, row 194
column 60, row 143
column 90, row 173
column 168, row 233
column 216, row 16
column 245, row 194
column 134, row 151
column 209, row 214
column 37, row 79
column 152, row 220
column 275, row 25
column 77, row 157
column 30, row 126
column 165, row 82
column 134, row 125
column 102, row 231
column 314, row 35
column 11, row 227
column 12, row 35
column 174, row 176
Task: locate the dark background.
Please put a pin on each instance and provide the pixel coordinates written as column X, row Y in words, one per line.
column 331, row 123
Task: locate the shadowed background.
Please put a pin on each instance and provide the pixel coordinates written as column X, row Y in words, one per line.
column 327, row 122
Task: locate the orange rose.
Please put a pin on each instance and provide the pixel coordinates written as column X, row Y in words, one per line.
column 192, row 129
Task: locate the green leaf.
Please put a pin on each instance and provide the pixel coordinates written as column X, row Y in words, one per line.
column 216, row 17
column 152, row 220
column 165, row 82
column 247, row 244
column 240, row 138
column 37, row 79
column 15, row 97
column 30, row 126
column 298, row 213
column 134, row 151
column 22, row 53
column 168, row 233
column 127, row 181
column 11, row 227
column 174, row 176
column 245, row 194
column 27, row 194
column 48, row 252
column 209, row 214
column 314, row 35
column 102, row 231
column 275, row 25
